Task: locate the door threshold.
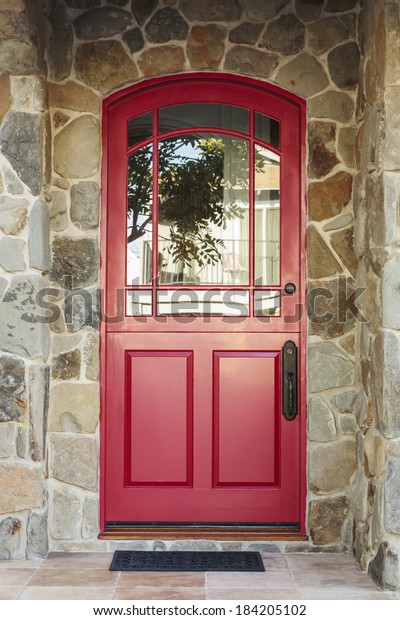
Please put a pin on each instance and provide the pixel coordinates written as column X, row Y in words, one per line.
column 203, row 532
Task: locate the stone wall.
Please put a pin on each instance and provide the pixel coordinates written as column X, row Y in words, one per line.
column 92, row 48
column 376, row 489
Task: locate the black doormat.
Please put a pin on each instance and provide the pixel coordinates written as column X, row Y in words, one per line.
column 190, row 561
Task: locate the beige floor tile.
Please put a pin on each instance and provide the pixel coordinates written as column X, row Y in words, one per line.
column 65, row 593
column 344, row 594
column 275, row 561
column 13, row 564
column 162, row 580
column 337, row 578
column 16, row 577
column 75, row 577
column 260, row 594
column 270, row 580
column 153, row 594
column 11, row 593
column 81, row 560
column 300, row 561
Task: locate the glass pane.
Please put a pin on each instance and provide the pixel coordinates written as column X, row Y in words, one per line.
column 140, row 128
column 200, row 302
column 138, row 255
column 203, row 115
column 267, row 129
column 203, row 229
column 267, row 217
column 267, row 303
column 138, row 303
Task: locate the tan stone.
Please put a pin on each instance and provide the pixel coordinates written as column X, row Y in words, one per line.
column 331, row 465
column 343, row 243
column 20, row 487
column 104, row 65
column 374, row 453
column 346, row 145
column 205, row 47
column 250, row 61
column 303, row 75
column 325, row 519
column 348, row 343
column 332, row 105
column 77, row 148
column 321, row 142
column 74, row 407
column 73, row 96
column 92, row 357
column 160, row 60
column 74, row 460
column 5, row 95
column 327, row 198
column 321, row 262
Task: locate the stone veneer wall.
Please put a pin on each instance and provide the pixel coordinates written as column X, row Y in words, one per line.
column 375, row 504
column 49, row 454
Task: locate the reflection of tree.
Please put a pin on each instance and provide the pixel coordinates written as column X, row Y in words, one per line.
column 198, row 180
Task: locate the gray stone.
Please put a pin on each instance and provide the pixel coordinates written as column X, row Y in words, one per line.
column 346, row 145
column 77, row 148
column 3, row 286
column 385, row 384
column 383, row 205
column 339, row 222
column 250, row 61
column 85, row 197
column 58, row 212
column 22, row 328
column 12, row 183
column 74, row 460
column 321, row 422
column 12, row 389
column 210, row 11
column 75, row 262
column 388, row 143
column 246, row 33
column 38, row 539
column 39, row 236
column 90, row 525
column 21, row 137
column 331, row 465
column 81, row 309
column 308, row 10
column 12, row 254
column 263, row 547
column 134, row 39
column 8, row 438
column 60, row 344
column 303, row 75
column 91, row 69
column 343, row 64
column 325, row 34
column 66, row 366
column 284, row 35
column 59, row 57
column 384, row 568
column 347, row 424
column 101, row 23
column 65, row 523
column 22, row 443
column 142, row 9
column 11, row 538
column 92, row 357
column 13, row 215
column 259, row 10
column 166, row 25
column 345, row 401
column 332, row 105
column 18, row 57
column 306, row 547
column 159, row 545
column 74, row 408
column 29, row 93
column 194, row 545
column 391, row 292
column 83, row 4
column 337, row 6
column 325, row 519
column 39, row 379
column 21, row 487
column 329, row 367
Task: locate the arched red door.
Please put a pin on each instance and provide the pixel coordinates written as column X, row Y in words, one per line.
column 202, row 366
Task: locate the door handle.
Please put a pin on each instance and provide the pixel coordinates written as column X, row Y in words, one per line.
column 289, row 380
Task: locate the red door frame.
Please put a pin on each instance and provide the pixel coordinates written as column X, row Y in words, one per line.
column 260, row 88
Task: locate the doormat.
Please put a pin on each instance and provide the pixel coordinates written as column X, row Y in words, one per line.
column 188, row 561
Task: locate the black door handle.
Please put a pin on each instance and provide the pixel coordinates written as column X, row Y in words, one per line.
column 289, row 380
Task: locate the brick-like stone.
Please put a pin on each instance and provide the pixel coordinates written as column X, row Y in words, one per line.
column 77, row 148
column 20, row 487
column 284, row 35
column 39, row 236
column 246, row 33
column 322, row 153
column 66, row 515
column 331, row 465
column 161, row 60
column 325, row 34
column 205, row 47
column 210, row 11
column 303, row 75
column 5, row 95
column 8, row 437
column 386, row 372
column 166, row 25
column 92, row 357
column 37, row 536
column 325, row 519
column 90, row 525
column 75, row 262
column 327, row 198
column 39, row 379
column 392, row 496
column 102, row 23
column 103, row 76
column 74, row 460
column 343, row 243
column 74, row 408
column 383, row 206
column 73, row 96
column 12, row 254
column 335, row 368
column 334, row 105
column 259, row 10
column 85, row 204
column 250, row 61
column 321, row 421
column 321, row 262
column 391, row 292
column 13, row 215
column 343, row 64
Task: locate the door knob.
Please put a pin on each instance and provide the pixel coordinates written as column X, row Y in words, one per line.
column 289, row 380
column 289, row 288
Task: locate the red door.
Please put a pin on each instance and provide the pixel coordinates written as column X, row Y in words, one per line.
column 203, row 235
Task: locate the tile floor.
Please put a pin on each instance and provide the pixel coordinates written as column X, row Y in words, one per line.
column 287, row 577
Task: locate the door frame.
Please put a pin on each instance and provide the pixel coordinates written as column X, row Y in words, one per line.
column 241, row 533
